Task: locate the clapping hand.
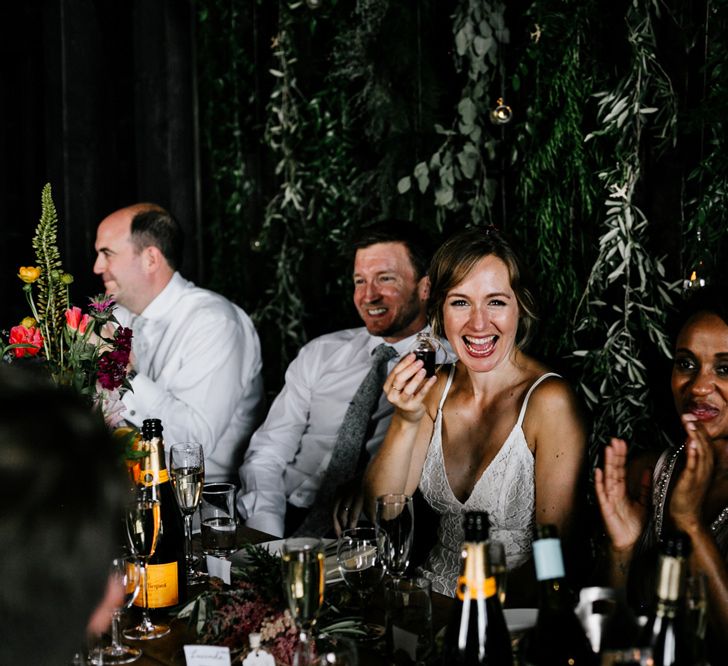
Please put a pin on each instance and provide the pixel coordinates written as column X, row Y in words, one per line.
column 686, row 501
column 624, row 517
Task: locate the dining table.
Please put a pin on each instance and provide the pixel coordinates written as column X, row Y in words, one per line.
column 169, row 650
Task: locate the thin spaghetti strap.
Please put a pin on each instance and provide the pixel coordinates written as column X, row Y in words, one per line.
column 519, row 423
column 447, row 387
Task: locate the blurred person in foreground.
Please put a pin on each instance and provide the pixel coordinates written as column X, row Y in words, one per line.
column 196, row 361
column 496, row 431
column 684, row 488
column 62, row 486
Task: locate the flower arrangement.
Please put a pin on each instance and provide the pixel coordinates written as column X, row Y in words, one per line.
column 254, row 603
column 86, row 351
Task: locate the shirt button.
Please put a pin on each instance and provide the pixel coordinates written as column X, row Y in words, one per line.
column 133, row 412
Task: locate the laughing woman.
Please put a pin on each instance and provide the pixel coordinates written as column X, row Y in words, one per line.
column 496, row 431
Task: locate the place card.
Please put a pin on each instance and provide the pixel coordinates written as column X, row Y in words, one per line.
column 219, row 568
column 207, row 655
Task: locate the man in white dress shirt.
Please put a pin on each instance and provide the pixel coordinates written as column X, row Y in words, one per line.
column 289, row 454
column 196, row 361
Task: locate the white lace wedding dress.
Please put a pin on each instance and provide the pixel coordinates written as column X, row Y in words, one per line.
column 505, row 490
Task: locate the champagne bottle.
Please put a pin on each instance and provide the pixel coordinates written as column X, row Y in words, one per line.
column 558, row 637
column 665, row 632
column 166, row 581
column 476, row 632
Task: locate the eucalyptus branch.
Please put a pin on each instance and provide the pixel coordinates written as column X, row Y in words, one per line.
column 457, row 172
column 614, row 378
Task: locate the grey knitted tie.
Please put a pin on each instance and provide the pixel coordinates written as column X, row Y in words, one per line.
column 349, row 444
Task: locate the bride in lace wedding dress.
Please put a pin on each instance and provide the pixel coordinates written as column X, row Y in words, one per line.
column 495, row 431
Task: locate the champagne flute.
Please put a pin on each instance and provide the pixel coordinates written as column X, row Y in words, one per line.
column 125, row 570
column 187, row 473
column 359, row 554
column 143, row 518
column 395, row 517
column 303, row 579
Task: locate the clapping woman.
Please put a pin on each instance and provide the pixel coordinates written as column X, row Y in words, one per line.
column 495, row 431
column 688, row 485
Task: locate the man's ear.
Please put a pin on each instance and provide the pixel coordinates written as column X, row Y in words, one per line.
column 423, row 288
column 153, row 259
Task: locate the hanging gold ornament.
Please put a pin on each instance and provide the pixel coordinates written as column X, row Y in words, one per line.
column 502, row 114
column 698, row 275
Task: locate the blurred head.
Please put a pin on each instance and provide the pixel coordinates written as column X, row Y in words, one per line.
column 391, row 286
column 138, row 248
column 61, row 484
column 478, row 300
column 700, row 367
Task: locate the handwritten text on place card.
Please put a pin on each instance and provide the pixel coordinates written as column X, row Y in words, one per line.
column 207, row 655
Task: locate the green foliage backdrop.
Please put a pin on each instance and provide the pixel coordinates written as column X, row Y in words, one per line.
column 319, row 116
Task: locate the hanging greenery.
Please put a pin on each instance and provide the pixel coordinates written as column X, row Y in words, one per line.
column 309, row 211
column 708, row 207
column 556, row 189
column 457, row 173
column 627, row 295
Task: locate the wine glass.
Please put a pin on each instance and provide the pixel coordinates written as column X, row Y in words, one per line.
column 395, row 517
column 303, row 579
column 125, row 570
column 359, row 554
column 187, row 473
column 143, row 518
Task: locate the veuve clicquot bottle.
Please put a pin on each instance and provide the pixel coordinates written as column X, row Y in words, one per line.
column 558, row 639
column 665, row 632
column 476, row 632
column 166, row 582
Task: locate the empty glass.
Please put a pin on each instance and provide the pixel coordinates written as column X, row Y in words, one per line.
column 395, row 517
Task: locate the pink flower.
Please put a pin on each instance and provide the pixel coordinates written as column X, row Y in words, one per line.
column 22, row 335
column 75, row 321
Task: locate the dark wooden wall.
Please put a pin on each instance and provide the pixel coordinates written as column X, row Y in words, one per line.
column 98, row 98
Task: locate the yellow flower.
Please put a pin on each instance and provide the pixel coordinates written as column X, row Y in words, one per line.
column 29, row 274
column 29, row 322
column 66, row 278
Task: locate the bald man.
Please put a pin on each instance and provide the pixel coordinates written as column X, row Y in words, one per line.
column 196, row 361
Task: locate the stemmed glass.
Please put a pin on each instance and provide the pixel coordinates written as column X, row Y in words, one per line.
column 187, row 473
column 359, row 554
column 396, row 518
column 303, row 579
column 143, row 518
column 126, row 572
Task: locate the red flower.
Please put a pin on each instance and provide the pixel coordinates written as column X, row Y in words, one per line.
column 75, row 321
column 22, row 335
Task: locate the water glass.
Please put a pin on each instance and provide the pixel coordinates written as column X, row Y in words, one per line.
column 408, row 619
column 218, row 520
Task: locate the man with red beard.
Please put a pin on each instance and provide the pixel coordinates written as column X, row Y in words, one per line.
column 288, row 457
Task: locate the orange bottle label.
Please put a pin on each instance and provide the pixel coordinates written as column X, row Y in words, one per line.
column 488, row 588
column 162, row 587
column 150, row 477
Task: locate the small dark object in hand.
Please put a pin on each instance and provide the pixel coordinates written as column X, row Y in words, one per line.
column 428, row 358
